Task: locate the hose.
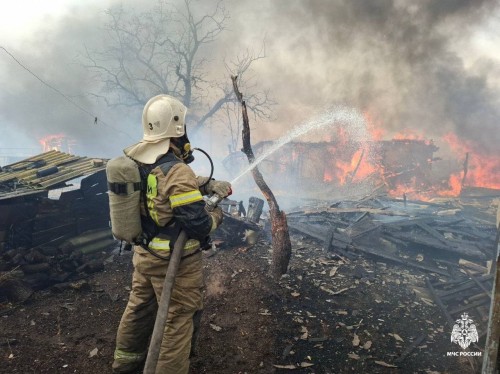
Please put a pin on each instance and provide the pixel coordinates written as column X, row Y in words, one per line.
column 211, row 166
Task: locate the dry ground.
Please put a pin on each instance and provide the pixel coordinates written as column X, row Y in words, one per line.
column 328, row 315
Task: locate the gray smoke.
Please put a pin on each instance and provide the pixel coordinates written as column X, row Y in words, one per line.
column 407, row 64
column 29, row 110
column 400, row 61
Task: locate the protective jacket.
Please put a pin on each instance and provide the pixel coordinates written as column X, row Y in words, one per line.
column 173, row 195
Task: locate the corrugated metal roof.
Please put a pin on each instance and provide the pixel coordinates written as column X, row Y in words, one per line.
column 44, row 172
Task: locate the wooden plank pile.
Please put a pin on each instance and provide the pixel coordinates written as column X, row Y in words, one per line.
column 45, row 241
column 432, row 237
column 471, row 292
column 451, row 241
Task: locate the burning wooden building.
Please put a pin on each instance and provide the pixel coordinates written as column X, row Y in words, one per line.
column 396, row 164
column 47, row 238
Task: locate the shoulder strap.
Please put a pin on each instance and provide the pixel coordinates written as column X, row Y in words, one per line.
column 167, row 162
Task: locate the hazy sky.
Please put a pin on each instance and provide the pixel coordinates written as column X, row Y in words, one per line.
column 428, row 66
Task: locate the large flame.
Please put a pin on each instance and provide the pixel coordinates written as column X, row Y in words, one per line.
column 409, row 176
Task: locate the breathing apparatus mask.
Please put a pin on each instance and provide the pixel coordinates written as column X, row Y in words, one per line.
column 184, row 147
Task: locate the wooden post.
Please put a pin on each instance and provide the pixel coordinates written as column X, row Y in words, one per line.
column 492, row 340
column 466, row 169
column 351, row 176
column 255, row 206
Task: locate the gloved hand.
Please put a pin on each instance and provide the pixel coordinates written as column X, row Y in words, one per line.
column 217, row 215
column 221, row 188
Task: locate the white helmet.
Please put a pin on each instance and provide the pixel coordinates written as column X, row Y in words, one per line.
column 163, row 117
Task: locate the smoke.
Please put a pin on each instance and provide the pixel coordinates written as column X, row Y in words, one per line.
column 403, row 62
column 410, row 65
column 53, row 97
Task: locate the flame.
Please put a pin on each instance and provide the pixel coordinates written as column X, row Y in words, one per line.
column 362, row 166
column 455, row 186
column 404, row 164
column 374, row 127
column 52, row 142
column 479, row 168
column 327, row 176
column 343, row 170
column 385, row 162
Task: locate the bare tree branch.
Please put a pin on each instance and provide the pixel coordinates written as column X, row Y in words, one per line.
column 160, row 51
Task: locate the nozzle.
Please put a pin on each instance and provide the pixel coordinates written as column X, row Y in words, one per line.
column 213, row 201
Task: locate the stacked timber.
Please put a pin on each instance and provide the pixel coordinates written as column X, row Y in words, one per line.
column 48, row 264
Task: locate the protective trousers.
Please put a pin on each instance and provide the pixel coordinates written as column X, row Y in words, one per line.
column 138, row 319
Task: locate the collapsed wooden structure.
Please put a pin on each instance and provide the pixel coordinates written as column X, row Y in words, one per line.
column 309, row 166
column 452, row 241
column 44, row 240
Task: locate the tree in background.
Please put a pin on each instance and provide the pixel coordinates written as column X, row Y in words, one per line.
column 260, row 102
column 164, row 50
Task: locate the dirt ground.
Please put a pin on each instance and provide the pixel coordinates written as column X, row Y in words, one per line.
column 327, row 315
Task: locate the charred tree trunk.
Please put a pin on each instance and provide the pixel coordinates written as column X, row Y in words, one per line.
column 282, row 247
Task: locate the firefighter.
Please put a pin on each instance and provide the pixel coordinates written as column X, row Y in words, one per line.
column 173, row 200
